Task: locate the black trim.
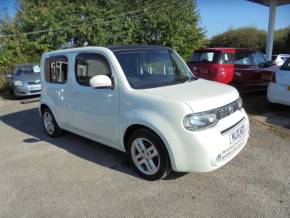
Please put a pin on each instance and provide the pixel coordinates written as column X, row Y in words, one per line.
column 233, row 126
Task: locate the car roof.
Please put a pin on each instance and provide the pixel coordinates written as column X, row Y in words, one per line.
column 24, row 65
column 223, row 49
column 113, row 48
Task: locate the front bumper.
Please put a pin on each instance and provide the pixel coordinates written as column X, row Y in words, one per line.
column 27, row 90
column 209, row 149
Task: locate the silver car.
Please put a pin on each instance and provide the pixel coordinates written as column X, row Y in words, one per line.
column 25, row 80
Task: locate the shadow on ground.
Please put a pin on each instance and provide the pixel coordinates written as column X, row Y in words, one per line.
column 29, row 122
column 256, row 104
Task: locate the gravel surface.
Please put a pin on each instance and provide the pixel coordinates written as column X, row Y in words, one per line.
column 74, row 177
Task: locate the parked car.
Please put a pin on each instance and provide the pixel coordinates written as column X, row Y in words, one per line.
column 279, row 87
column 279, row 59
column 25, row 80
column 246, row 69
column 143, row 100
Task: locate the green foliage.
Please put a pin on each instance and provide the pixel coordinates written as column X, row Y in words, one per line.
column 245, row 37
column 74, row 23
column 251, row 37
column 282, row 41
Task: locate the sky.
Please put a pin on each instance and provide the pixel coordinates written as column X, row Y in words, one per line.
column 218, row 16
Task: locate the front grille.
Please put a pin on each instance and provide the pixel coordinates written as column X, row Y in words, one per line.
column 33, row 82
column 228, row 109
column 35, row 91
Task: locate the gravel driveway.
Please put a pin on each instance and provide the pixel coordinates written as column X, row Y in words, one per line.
column 74, row 177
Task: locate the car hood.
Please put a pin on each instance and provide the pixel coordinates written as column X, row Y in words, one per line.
column 200, row 95
column 27, row 78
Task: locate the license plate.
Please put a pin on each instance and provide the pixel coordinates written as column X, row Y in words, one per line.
column 237, row 134
column 32, row 88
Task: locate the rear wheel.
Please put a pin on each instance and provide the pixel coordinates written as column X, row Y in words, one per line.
column 49, row 123
column 148, row 155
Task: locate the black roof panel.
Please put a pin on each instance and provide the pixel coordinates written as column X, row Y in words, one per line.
column 115, row 48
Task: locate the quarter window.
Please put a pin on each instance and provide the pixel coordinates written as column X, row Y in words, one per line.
column 56, row 69
column 89, row 65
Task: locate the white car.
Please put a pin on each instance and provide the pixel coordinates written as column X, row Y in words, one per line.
column 279, row 59
column 143, row 100
column 279, row 87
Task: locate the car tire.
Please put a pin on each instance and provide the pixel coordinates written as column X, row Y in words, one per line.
column 148, row 155
column 49, row 124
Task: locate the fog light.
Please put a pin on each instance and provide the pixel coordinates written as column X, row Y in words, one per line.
column 218, row 159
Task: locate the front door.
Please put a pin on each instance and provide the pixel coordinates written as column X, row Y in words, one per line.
column 95, row 111
column 246, row 72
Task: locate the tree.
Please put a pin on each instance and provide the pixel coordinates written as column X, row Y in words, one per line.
column 251, row 37
column 100, row 22
column 245, row 37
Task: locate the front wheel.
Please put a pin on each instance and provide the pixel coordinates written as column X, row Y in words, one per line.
column 148, row 155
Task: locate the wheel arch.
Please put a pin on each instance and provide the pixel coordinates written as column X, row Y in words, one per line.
column 134, row 127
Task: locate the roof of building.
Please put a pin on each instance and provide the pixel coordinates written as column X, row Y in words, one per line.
column 268, row 2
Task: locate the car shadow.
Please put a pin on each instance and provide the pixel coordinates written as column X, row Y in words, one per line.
column 29, row 122
column 274, row 114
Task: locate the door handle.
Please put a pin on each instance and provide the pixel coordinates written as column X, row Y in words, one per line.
column 75, row 93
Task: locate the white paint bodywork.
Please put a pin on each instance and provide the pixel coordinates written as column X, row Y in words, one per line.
column 104, row 115
column 278, row 92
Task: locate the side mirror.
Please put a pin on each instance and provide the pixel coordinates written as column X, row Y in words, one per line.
column 101, row 81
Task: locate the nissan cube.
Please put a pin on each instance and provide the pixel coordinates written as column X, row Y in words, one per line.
column 143, row 100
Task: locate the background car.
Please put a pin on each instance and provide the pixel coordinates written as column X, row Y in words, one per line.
column 246, row 69
column 279, row 59
column 25, row 80
column 279, row 87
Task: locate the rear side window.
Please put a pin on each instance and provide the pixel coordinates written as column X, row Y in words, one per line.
column 286, row 65
column 89, row 65
column 226, row 58
column 56, row 69
column 205, row 57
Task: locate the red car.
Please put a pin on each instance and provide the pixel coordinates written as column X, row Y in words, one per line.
column 246, row 69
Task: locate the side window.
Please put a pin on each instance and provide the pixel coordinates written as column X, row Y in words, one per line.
column 90, row 64
column 227, row 58
column 56, row 69
column 243, row 58
column 258, row 58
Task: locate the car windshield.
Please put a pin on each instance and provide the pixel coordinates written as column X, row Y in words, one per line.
column 153, row 68
column 27, row 70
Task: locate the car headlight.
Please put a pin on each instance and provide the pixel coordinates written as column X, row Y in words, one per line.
column 199, row 121
column 202, row 120
column 17, row 83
